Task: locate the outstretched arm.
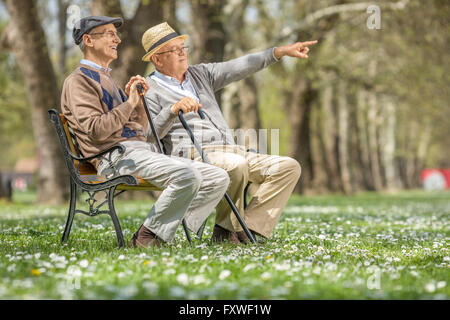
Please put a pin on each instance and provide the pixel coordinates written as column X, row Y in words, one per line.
column 296, row 50
column 221, row 74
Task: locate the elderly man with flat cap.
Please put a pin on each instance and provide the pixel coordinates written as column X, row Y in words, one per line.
column 102, row 115
column 175, row 85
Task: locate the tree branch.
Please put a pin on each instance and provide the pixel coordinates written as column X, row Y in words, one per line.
column 336, row 9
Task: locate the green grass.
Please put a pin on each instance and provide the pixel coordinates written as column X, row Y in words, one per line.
column 368, row 246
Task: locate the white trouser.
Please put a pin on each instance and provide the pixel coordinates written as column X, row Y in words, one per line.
column 192, row 189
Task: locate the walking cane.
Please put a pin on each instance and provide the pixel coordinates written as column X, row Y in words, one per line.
column 159, row 144
column 206, row 160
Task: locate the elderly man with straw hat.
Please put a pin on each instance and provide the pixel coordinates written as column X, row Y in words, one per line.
column 102, row 115
column 175, row 85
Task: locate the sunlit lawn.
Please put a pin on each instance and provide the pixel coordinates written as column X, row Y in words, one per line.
column 335, row 247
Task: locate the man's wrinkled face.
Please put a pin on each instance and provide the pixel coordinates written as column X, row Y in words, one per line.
column 172, row 57
column 104, row 40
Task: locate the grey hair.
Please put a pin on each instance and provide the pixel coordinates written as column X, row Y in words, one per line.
column 82, row 46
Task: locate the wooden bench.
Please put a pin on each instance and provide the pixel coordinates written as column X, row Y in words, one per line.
column 84, row 176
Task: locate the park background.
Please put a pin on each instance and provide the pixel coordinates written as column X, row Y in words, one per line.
column 367, row 111
column 364, row 115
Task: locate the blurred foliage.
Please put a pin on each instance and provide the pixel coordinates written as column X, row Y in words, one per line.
column 409, row 54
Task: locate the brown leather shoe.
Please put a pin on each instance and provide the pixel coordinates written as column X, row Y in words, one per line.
column 242, row 236
column 144, row 238
column 220, row 235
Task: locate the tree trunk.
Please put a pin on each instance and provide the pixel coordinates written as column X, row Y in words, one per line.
column 240, row 104
column 388, row 144
column 169, row 13
column 319, row 183
column 329, row 138
column 62, row 18
column 411, row 153
column 361, row 129
column 109, row 8
column 298, row 105
column 248, row 112
column 422, row 149
column 240, row 101
column 357, row 173
column 372, row 114
column 402, row 153
column 343, row 117
column 27, row 39
column 414, row 147
column 207, row 31
column 5, row 187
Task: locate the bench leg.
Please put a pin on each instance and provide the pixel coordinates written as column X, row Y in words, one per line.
column 72, row 205
column 115, row 219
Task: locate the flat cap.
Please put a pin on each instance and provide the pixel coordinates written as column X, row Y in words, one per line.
column 85, row 25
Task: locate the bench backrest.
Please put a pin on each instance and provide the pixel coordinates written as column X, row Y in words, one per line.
column 84, row 173
column 69, row 146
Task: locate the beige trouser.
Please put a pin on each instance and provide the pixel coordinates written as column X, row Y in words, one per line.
column 275, row 175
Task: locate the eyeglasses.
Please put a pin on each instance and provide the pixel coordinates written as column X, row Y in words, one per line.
column 109, row 33
column 177, row 50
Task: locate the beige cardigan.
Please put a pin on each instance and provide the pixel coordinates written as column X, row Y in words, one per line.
column 98, row 113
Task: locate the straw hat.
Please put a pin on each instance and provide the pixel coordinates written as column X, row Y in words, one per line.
column 157, row 36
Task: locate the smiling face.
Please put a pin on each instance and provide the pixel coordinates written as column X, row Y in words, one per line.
column 173, row 63
column 101, row 44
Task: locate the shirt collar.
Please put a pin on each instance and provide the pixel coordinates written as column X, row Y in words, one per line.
column 94, row 65
column 170, row 79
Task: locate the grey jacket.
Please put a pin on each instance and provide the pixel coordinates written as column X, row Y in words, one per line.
column 206, row 79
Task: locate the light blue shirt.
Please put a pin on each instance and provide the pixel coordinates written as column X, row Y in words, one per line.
column 184, row 88
column 94, row 65
column 204, row 130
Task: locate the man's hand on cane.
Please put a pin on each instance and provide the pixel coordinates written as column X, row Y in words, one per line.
column 131, row 90
column 186, row 105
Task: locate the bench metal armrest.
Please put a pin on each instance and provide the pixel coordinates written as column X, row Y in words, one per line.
column 104, row 155
column 119, row 147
